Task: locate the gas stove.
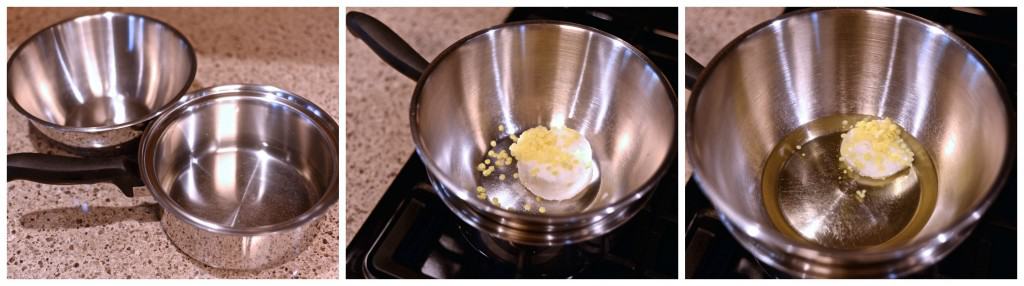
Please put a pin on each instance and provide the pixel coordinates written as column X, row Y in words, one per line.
column 411, row 233
column 990, row 250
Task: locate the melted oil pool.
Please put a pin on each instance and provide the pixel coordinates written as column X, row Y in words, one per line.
column 811, row 195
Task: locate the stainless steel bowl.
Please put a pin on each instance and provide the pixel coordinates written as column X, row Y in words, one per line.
column 528, row 74
column 243, row 172
column 94, row 81
column 816, row 63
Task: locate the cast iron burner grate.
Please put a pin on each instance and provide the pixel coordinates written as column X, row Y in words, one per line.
column 412, row 234
column 990, row 250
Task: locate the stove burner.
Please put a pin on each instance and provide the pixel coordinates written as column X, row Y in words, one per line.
column 412, row 234
column 539, row 261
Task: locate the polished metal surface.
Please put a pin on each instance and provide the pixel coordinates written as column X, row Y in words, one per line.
column 816, row 63
column 523, row 75
column 244, row 170
column 810, row 194
column 86, row 143
column 244, row 252
column 93, row 81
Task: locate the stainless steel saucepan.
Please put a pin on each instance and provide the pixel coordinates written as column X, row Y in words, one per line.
column 243, row 173
column 95, row 81
column 525, row 74
column 816, row 63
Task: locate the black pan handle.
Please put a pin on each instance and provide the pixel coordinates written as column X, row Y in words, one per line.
column 120, row 170
column 693, row 70
column 386, row 44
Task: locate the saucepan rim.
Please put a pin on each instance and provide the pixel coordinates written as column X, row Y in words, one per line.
column 279, row 97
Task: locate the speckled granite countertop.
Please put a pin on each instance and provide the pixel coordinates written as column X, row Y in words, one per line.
column 708, row 30
column 377, row 98
column 49, row 235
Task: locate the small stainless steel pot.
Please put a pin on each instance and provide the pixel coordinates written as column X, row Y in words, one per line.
column 815, row 63
column 244, row 173
column 527, row 74
column 94, row 81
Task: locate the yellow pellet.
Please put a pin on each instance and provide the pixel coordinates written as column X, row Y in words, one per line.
column 481, row 167
column 487, row 161
column 542, row 210
column 480, row 189
column 501, row 127
column 501, row 177
column 494, row 143
column 527, row 207
column 515, row 175
column 514, row 138
column 494, row 201
column 482, row 196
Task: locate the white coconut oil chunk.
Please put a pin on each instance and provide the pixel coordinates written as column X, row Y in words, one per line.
column 554, row 164
column 874, row 149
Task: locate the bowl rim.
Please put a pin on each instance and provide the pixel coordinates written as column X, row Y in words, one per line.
column 192, row 61
column 801, row 249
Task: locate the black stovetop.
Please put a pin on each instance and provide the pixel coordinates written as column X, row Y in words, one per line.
column 411, row 234
column 990, row 250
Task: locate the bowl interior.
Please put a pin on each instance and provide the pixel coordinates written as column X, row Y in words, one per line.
column 100, row 70
column 848, row 61
column 544, row 74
